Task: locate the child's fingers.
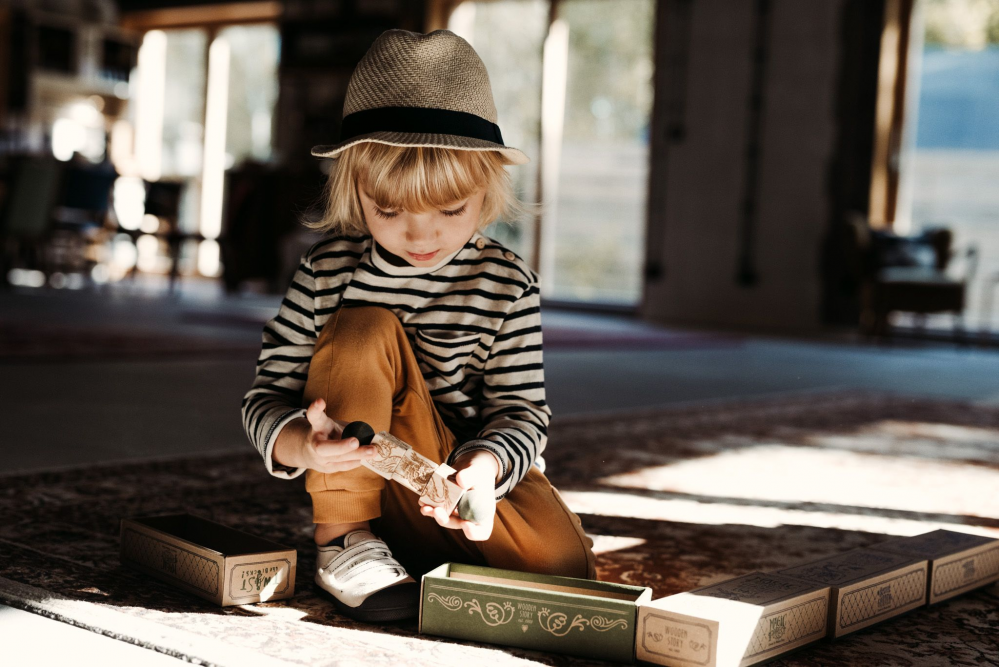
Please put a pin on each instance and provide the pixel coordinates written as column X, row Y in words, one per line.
column 473, row 531
column 462, row 478
column 442, row 518
column 355, row 456
column 337, row 466
column 475, row 476
column 358, row 454
column 330, row 448
column 469, row 477
column 318, row 419
column 477, row 532
column 451, row 522
column 316, row 412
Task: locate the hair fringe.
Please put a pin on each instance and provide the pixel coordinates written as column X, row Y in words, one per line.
column 416, row 178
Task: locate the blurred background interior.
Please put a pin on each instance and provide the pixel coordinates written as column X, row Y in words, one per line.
column 769, row 248
column 820, row 169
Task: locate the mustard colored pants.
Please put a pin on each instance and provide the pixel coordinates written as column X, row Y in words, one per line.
column 364, row 367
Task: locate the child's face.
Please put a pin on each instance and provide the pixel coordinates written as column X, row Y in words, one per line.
column 423, row 239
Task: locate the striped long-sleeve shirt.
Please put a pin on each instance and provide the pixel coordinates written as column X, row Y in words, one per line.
column 473, row 322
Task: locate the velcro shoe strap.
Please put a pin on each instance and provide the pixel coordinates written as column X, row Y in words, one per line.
column 351, row 561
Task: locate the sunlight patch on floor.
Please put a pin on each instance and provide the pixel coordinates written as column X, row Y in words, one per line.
column 916, row 439
column 605, row 543
column 784, row 473
column 636, row 506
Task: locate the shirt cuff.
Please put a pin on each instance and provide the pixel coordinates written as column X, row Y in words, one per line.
column 273, row 467
column 502, row 487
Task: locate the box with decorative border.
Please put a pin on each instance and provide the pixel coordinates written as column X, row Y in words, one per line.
column 959, row 562
column 592, row 619
column 739, row 622
column 866, row 586
column 208, row 559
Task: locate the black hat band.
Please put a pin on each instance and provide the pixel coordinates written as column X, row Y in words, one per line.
column 419, row 120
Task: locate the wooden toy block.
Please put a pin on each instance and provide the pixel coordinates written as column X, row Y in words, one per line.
column 735, row 623
column 391, row 452
column 867, row 586
column 441, row 491
column 414, row 471
column 398, row 461
column 959, row 562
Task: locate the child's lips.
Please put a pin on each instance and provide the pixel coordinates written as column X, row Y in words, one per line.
column 422, row 257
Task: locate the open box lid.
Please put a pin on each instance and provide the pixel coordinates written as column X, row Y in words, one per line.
column 553, row 584
column 208, row 535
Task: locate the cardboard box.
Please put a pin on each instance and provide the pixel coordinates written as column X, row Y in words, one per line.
column 867, row 586
column 213, row 561
column 738, row 622
column 592, row 619
column 959, row 562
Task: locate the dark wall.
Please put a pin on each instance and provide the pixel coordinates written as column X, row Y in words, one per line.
column 319, row 51
column 850, row 168
column 761, row 142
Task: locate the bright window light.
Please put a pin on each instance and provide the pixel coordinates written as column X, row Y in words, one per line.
column 100, row 274
column 129, row 201
column 214, row 165
column 463, row 20
column 123, row 257
column 555, row 61
column 208, row 258
column 122, row 152
column 152, row 71
column 26, row 277
column 150, row 223
column 149, row 248
column 68, row 136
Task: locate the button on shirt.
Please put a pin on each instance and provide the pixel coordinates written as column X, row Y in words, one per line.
column 473, row 321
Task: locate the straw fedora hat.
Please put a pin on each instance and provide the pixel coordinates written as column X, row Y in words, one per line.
column 412, row 89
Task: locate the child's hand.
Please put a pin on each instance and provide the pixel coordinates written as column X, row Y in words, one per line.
column 325, row 454
column 476, row 470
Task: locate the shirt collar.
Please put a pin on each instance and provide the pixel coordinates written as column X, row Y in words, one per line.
column 382, row 264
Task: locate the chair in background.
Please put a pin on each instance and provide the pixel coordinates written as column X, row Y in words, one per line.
column 79, row 218
column 27, row 213
column 163, row 199
column 263, row 214
column 909, row 274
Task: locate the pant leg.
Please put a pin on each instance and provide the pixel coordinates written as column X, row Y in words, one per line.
column 352, row 369
column 535, row 531
column 365, row 368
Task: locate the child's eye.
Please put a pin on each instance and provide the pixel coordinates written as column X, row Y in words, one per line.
column 458, row 211
column 385, row 214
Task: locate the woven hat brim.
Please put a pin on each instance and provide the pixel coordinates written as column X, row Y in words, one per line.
column 433, row 140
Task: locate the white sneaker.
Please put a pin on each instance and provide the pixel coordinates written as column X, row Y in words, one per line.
column 365, row 582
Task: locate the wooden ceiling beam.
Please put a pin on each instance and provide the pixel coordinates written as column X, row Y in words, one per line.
column 202, row 15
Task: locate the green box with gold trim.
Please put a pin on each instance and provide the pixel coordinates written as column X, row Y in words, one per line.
column 592, row 619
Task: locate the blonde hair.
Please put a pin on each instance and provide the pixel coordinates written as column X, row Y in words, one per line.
column 415, row 178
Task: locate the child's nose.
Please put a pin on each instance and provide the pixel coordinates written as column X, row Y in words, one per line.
column 419, row 232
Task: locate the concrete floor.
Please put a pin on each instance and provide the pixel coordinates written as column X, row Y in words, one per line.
column 131, row 410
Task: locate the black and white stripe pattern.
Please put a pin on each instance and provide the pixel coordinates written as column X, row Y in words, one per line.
column 474, row 325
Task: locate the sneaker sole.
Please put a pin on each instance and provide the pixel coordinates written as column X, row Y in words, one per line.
column 372, row 615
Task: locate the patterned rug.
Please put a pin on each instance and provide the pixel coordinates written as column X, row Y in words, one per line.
column 674, row 498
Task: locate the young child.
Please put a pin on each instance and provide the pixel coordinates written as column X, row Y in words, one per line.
column 411, row 320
